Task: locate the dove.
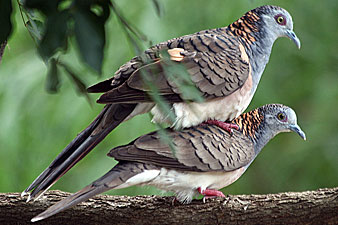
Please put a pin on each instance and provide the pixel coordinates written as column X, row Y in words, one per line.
column 224, row 64
column 205, row 158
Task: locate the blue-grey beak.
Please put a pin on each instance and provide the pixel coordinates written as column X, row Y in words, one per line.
column 290, row 34
column 299, row 131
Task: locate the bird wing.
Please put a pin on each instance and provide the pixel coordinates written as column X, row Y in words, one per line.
column 216, row 62
column 202, row 148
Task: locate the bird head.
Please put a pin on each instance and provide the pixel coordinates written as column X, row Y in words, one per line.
column 280, row 118
column 278, row 22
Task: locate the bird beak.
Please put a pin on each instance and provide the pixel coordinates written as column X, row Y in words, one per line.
column 290, row 34
column 299, row 131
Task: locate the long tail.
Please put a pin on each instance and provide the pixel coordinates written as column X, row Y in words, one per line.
column 109, row 118
column 114, row 178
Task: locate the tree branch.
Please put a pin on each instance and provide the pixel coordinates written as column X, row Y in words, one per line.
column 309, row 207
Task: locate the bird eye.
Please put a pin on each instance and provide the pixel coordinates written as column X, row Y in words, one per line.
column 280, row 19
column 282, row 117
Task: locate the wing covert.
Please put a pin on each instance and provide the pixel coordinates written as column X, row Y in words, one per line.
column 203, row 148
column 217, row 64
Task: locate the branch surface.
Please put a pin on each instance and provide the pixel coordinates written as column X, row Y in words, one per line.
column 309, row 207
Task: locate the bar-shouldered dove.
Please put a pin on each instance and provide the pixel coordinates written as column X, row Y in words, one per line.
column 206, row 158
column 225, row 64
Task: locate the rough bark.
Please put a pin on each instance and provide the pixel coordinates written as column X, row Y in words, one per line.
column 309, row 207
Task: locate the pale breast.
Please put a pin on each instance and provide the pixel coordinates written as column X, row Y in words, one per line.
column 185, row 184
column 225, row 108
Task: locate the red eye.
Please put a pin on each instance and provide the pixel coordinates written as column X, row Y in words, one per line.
column 280, row 19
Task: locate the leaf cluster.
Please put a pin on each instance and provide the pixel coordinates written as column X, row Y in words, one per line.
column 54, row 24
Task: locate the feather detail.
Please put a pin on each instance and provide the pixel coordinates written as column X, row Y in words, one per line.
column 250, row 122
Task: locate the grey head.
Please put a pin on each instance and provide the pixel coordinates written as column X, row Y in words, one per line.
column 275, row 119
column 277, row 22
column 280, row 118
column 258, row 29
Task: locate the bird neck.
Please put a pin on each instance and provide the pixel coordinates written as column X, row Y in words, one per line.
column 257, row 40
column 252, row 124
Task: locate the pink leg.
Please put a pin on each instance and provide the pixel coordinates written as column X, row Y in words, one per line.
column 224, row 125
column 210, row 193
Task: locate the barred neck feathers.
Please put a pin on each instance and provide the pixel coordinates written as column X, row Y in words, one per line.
column 251, row 29
column 246, row 28
column 256, row 38
column 251, row 124
column 257, row 124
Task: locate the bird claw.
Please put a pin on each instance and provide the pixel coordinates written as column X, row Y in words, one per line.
column 23, row 194
column 174, row 201
column 210, row 193
column 224, row 125
column 208, row 197
column 28, row 198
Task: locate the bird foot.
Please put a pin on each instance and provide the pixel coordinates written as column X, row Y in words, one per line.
column 210, row 193
column 224, row 125
column 174, row 201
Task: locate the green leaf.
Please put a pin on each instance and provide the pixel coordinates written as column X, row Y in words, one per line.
column 127, row 26
column 79, row 84
column 53, row 77
column 35, row 28
column 178, row 74
column 5, row 20
column 104, row 9
column 90, row 36
column 55, row 35
column 157, row 98
column 158, row 7
column 47, row 7
column 2, row 49
column 166, row 138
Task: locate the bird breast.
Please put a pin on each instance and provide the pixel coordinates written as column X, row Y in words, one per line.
column 222, row 108
column 184, row 184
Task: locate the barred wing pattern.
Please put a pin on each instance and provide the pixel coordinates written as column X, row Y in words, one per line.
column 215, row 60
column 202, row 148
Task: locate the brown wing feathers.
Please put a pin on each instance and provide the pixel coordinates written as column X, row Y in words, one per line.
column 121, row 75
column 203, row 148
column 215, row 61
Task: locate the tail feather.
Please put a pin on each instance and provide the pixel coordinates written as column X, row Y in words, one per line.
column 109, row 118
column 70, row 148
column 70, row 201
column 115, row 177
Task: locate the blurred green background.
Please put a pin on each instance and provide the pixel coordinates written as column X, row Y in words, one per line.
column 36, row 126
